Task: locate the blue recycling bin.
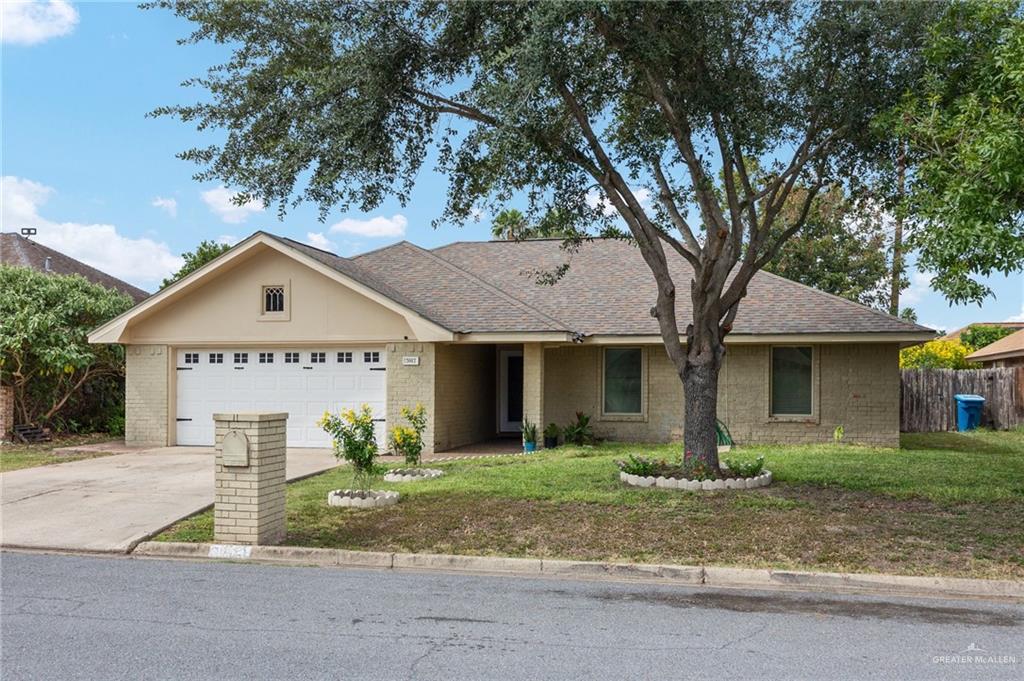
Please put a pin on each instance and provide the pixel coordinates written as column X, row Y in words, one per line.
column 968, row 411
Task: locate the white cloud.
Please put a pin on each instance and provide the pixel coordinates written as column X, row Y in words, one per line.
column 29, row 23
column 596, row 199
column 220, row 201
column 374, row 227
column 319, row 240
column 920, row 286
column 141, row 261
column 169, row 206
column 229, row 239
column 1017, row 317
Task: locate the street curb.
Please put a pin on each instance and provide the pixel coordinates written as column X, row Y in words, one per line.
column 711, row 576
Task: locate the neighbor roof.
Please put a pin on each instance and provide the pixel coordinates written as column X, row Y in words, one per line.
column 20, row 251
column 955, row 335
column 1008, row 346
column 488, row 287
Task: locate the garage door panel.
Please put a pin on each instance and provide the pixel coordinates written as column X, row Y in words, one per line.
column 206, row 388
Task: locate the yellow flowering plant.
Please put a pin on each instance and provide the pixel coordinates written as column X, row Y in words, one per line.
column 354, row 440
column 408, row 440
column 937, row 354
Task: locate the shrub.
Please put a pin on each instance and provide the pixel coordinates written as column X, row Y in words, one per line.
column 978, row 336
column 746, row 469
column 580, row 432
column 115, row 425
column 354, row 441
column 936, row 354
column 408, row 440
column 552, row 431
column 639, row 465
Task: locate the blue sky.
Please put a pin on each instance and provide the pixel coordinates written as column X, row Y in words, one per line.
column 84, row 165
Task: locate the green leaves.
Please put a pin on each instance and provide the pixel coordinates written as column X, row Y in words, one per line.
column 204, row 253
column 965, row 125
column 44, row 322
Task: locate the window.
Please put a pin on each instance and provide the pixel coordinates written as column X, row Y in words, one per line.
column 216, row 358
column 623, row 380
column 792, row 385
column 317, row 357
column 191, row 358
column 291, row 358
column 344, row 358
column 266, row 358
column 241, row 358
column 273, row 298
column 371, row 357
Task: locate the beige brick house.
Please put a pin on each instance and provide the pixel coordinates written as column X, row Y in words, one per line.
column 276, row 325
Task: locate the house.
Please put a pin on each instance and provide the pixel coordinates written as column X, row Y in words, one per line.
column 464, row 329
column 955, row 335
column 20, row 251
column 1005, row 352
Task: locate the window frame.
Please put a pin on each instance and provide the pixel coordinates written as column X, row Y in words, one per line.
column 292, row 357
column 642, row 415
column 240, row 358
column 344, row 357
column 815, row 415
column 216, row 358
column 266, row 357
column 286, row 300
column 371, row 357
column 318, row 357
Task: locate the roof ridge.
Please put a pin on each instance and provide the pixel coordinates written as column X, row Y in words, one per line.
column 382, row 248
column 361, row 274
column 488, row 285
column 846, row 301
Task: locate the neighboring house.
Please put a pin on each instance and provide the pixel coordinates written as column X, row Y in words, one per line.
column 1005, row 352
column 277, row 325
column 955, row 335
column 20, row 251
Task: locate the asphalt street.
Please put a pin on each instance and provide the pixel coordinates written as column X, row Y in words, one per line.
column 78, row 617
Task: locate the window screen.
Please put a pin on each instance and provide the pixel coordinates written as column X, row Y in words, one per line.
column 623, row 380
column 791, row 381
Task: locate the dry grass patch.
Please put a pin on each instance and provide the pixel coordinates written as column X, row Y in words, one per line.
column 570, row 504
column 16, row 456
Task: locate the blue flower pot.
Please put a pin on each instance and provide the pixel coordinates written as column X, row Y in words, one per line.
column 529, row 447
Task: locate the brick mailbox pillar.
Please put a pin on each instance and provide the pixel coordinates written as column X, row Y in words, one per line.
column 249, row 487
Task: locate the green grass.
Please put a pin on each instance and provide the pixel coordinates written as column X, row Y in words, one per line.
column 943, row 503
column 16, row 456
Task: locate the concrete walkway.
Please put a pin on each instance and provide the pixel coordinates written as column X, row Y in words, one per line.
column 112, row 503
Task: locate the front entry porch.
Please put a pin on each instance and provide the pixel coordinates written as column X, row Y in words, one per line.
column 483, row 393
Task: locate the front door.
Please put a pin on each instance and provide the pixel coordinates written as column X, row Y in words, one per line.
column 510, row 387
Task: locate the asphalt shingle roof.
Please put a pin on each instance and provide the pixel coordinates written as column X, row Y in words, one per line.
column 608, row 289
column 20, row 251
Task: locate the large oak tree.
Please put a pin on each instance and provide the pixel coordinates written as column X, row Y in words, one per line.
column 341, row 103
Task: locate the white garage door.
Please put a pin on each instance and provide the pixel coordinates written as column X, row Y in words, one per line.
column 302, row 382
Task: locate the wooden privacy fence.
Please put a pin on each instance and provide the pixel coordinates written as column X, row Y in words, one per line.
column 927, row 404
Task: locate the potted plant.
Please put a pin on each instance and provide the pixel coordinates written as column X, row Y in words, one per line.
column 529, row 436
column 551, row 435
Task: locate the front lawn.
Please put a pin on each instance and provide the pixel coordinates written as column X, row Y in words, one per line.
column 943, row 503
column 15, row 456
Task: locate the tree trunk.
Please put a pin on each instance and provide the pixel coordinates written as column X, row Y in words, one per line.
column 897, row 238
column 700, row 388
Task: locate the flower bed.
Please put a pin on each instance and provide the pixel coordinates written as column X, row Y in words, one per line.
column 412, row 474
column 358, row 498
column 761, row 480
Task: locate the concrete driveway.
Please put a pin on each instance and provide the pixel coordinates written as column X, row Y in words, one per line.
column 112, row 503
